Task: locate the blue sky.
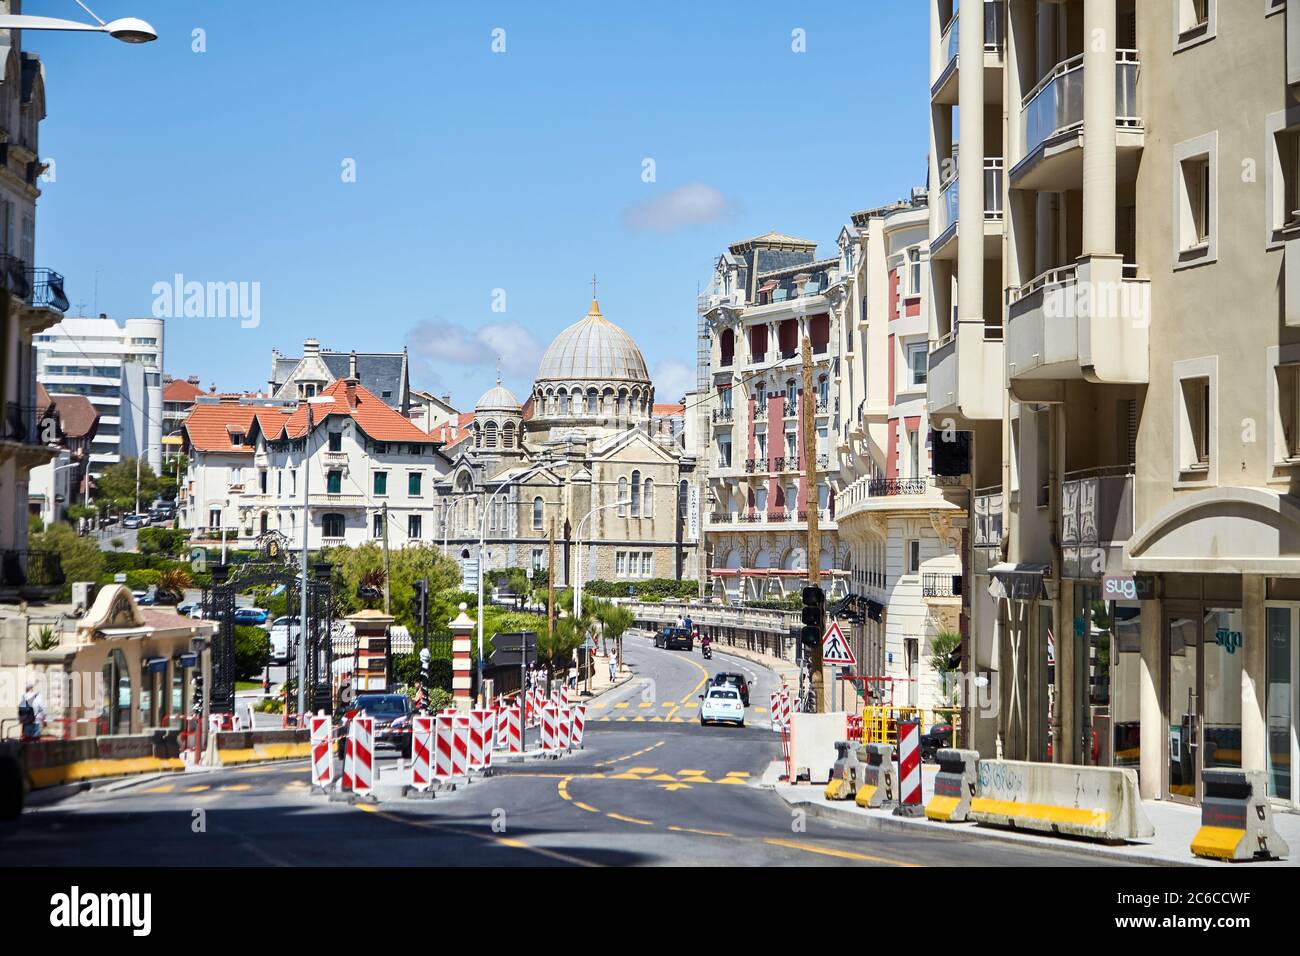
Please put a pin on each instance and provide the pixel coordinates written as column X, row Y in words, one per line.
column 475, row 171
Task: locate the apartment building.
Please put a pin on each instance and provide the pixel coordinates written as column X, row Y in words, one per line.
column 766, row 295
column 32, row 299
column 119, row 369
column 1112, row 331
column 901, row 526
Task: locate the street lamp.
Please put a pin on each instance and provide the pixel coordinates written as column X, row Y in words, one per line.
column 482, row 546
column 577, row 544
column 126, row 29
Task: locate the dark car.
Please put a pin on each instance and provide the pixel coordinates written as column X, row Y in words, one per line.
column 938, row 737
column 675, row 638
column 392, row 714
column 735, row 680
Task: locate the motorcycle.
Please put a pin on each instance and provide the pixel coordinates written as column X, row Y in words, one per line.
column 707, row 651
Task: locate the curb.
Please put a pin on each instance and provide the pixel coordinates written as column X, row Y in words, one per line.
column 1030, row 840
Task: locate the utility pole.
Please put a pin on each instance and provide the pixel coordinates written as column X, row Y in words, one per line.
column 302, row 610
column 387, row 566
column 550, row 582
column 808, row 410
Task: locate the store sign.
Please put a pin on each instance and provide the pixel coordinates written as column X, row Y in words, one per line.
column 1228, row 640
column 1128, row 587
column 693, row 513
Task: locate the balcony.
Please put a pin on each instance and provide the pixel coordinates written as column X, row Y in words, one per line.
column 966, row 373
column 945, row 86
column 944, row 246
column 1096, row 520
column 30, row 575
column 941, row 588
column 889, row 494
column 986, row 506
column 39, row 290
column 723, row 415
column 760, row 411
column 1052, row 124
column 1085, row 321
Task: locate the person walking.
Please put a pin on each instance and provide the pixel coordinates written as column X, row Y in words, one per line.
column 613, row 667
column 31, row 711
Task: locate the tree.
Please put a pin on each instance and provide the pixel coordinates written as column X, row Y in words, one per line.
column 115, row 487
column 555, row 650
column 942, row 646
column 252, row 650
column 407, row 565
column 81, row 558
column 614, row 621
column 172, row 585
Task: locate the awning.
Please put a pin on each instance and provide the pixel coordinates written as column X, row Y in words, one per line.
column 187, row 660
column 155, row 665
column 875, row 610
column 1019, row 582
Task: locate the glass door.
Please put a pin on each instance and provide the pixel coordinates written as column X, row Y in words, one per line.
column 1282, row 669
column 1183, row 703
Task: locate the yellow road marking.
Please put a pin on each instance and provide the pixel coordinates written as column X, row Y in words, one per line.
column 670, row 787
column 646, row 703
column 621, row 705
column 238, row 786
column 197, row 789
column 663, row 776
column 642, row 769
column 713, row 833
column 584, row 806
column 737, row 773
column 839, row 854
column 684, row 773
column 563, row 788
column 619, row 816
column 165, row 788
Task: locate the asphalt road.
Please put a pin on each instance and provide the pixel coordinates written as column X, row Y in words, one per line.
column 645, row 791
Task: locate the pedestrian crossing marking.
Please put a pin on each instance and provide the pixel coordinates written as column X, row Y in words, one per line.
column 646, row 703
column 663, row 776
column 621, row 704
column 671, row 787
column 165, row 788
column 737, row 773
column 197, row 789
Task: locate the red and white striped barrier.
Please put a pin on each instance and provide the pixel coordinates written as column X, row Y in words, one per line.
column 362, row 732
column 855, row 727
column 781, row 708
column 579, row 723
column 460, row 745
column 443, row 745
column 909, row 767
column 549, row 719
column 482, row 726
column 349, row 770
column 510, row 736
column 322, row 752
column 421, row 752
column 564, row 728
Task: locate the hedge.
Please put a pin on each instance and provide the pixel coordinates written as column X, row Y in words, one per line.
column 653, row 588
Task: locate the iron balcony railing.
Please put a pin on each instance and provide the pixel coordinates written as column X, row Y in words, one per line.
column 883, row 487
column 941, row 585
column 22, row 423
column 1056, row 103
column 31, row 569
column 42, row 288
column 723, row 414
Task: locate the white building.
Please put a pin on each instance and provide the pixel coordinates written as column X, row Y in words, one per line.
column 119, row 369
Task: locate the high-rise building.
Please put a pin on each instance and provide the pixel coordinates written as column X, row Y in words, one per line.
column 119, row 369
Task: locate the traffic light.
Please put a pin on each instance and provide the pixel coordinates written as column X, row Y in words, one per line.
column 814, row 616
column 418, row 600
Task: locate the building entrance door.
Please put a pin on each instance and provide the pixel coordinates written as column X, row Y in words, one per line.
column 1182, row 633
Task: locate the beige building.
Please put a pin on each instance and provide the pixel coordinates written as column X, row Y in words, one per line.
column 585, row 458
column 766, row 296
column 1112, row 331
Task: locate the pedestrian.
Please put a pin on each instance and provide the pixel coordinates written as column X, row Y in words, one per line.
column 31, row 711
column 680, row 621
column 573, row 678
column 613, row 667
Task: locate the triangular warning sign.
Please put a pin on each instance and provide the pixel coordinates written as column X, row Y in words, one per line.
column 835, row 648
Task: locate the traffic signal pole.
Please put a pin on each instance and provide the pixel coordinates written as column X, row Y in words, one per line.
column 808, row 408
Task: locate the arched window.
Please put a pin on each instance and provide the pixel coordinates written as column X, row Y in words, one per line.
column 728, row 347
column 561, row 402
column 636, row 494
column 478, row 436
column 683, row 497
column 622, row 497
column 648, row 504
column 591, row 402
column 332, row 525
column 508, row 435
column 539, row 512
column 490, row 435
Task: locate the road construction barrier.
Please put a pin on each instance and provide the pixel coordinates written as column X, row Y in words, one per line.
column 954, row 785
column 878, row 789
column 362, row 731
column 232, row 747
column 844, row 775
column 564, row 728
column 460, row 744
column 549, row 719
column 909, row 769
column 481, row 729
column 1101, row 803
column 812, row 743
column 53, row 761
column 781, row 709
column 510, row 736
column 1237, row 818
column 322, row 752
column 421, row 752
column 579, row 725
column 349, row 768
column 855, row 727
column 444, row 744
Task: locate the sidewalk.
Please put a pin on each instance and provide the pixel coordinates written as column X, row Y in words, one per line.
column 1175, row 825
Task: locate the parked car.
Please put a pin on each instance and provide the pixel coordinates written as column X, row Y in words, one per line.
column 133, row 521
column 186, row 609
column 251, row 615
column 674, row 638
column 284, row 637
column 738, row 681
column 392, row 714
column 937, row 738
column 722, row 705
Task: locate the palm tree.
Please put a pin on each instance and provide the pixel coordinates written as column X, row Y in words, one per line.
column 614, row 620
column 172, row 585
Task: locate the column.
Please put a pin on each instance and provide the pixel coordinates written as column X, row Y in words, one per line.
column 1151, row 715
column 970, row 165
column 1099, row 142
column 1254, row 687
column 462, row 631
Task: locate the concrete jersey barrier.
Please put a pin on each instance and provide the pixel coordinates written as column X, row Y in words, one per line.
column 812, row 743
column 1101, row 803
column 231, row 747
column 48, row 763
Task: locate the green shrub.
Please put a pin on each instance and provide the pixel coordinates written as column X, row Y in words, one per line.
column 406, row 670
column 161, row 540
column 440, row 699
column 252, row 648
column 652, row 589
column 80, row 557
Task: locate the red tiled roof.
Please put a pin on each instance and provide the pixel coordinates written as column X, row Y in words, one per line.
column 677, row 409
column 77, row 416
column 179, row 390
column 372, row 415
column 208, row 426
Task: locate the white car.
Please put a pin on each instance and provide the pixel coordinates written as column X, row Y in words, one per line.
column 722, row 705
column 284, row 635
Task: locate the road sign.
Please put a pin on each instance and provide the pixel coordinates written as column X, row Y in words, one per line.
column 589, row 644
column 835, row 648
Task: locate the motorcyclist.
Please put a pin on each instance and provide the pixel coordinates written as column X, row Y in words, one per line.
column 706, row 645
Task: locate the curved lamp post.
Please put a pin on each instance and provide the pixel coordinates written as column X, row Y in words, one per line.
column 126, row 29
column 578, row 546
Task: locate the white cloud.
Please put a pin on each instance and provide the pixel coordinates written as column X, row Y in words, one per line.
column 688, row 205
column 437, row 342
column 672, row 379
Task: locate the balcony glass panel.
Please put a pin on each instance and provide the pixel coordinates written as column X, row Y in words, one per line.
column 1056, row 104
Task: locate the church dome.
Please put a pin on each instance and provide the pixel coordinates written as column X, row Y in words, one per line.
column 497, row 398
column 593, row 349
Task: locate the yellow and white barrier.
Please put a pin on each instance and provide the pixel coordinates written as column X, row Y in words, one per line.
column 1101, row 803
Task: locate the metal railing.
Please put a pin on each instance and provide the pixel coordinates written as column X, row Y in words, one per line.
column 723, row 414
column 941, row 585
column 888, row 487
column 31, row 569
column 22, row 424
column 1056, row 103
column 47, row 290
column 994, row 33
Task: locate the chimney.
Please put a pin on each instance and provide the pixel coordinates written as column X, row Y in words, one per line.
column 352, row 366
column 351, row 381
column 193, row 380
column 311, row 347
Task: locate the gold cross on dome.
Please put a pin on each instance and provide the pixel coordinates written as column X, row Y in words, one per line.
column 593, row 285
